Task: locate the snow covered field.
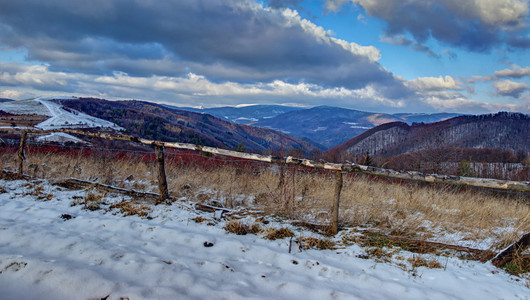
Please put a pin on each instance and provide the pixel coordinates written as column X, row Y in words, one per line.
column 95, row 254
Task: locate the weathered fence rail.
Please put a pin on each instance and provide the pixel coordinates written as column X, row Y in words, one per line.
column 343, row 167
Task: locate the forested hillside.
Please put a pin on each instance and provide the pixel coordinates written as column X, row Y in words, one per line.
column 494, row 145
column 154, row 121
column 508, row 131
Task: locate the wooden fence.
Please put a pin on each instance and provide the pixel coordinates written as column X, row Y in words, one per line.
column 339, row 169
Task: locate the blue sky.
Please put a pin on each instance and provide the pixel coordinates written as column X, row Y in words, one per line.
column 467, row 56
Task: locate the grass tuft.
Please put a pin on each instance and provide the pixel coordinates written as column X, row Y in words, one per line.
column 418, row 261
column 278, row 233
column 129, row 208
column 316, row 243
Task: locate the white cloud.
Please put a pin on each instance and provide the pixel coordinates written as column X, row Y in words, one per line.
column 510, row 88
column 370, row 52
column 434, row 83
column 494, row 12
column 432, row 93
column 11, row 94
column 515, row 72
column 476, row 25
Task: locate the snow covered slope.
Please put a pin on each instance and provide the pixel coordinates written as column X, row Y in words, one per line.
column 59, row 117
column 59, row 137
column 95, row 254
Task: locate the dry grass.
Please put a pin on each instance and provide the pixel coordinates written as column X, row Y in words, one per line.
column 418, row 261
column 241, row 228
column 131, row 208
column 278, row 233
column 91, row 201
column 317, row 243
column 410, row 210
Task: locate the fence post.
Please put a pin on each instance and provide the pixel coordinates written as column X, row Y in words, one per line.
column 21, row 155
column 512, row 252
column 335, row 209
column 162, row 181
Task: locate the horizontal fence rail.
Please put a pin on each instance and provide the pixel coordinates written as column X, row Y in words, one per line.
column 343, row 167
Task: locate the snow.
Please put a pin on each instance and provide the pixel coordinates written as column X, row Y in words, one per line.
column 103, row 253
column 25, row 107
column 59, row 117
column 59, row 137
column 246, row 119
column 357, row 125
column 62, row 118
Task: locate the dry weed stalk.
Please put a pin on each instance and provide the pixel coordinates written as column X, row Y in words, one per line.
column 409, row 210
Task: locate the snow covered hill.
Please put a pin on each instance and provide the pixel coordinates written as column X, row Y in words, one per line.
column 59, row 116
column 52, row 249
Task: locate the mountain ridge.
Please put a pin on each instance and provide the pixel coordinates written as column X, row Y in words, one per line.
column 503, row 130
column 156, row 121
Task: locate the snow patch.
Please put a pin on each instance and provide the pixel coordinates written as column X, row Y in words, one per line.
column 247, row 119
column 59, row 137
column 357, row 125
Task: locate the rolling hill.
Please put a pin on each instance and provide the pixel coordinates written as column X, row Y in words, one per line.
column 243, row 114
column 506, row 131
column 155, row 121
column 331, row 126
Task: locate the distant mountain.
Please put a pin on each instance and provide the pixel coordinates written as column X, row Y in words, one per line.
column 330, row 126
column 507, row 131
column 160, row 122
column 325, row 125
column 243, row 115
column 425, row 118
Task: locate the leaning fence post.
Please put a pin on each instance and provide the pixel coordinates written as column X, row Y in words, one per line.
column 21, row 155
column 335, row 209
column 512, row 252
column 162, row 181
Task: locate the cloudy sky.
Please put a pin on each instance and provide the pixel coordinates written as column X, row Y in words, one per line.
column 468, row 56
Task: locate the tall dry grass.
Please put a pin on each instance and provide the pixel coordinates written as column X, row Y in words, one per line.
column 404, row 209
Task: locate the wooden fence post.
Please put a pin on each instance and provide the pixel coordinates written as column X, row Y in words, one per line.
column 21, row 155
column 335, row 209
column 512, row 252
column 162, row 181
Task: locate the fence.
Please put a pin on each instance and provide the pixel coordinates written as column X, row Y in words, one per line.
column 337, row 168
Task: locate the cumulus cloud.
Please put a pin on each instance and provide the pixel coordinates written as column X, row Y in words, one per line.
column 192, row 89
column 510, row 88
column 11, row 94
column 434, row 83
column 183, row 90
column 476, row 25
column 515, row 72
column 231, row 40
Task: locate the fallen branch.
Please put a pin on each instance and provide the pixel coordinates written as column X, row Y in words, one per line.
column 78, row 183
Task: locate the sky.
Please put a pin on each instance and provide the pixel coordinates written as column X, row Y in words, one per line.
column 464, row 56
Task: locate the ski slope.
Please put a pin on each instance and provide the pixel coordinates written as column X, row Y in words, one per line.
column 59, row 117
